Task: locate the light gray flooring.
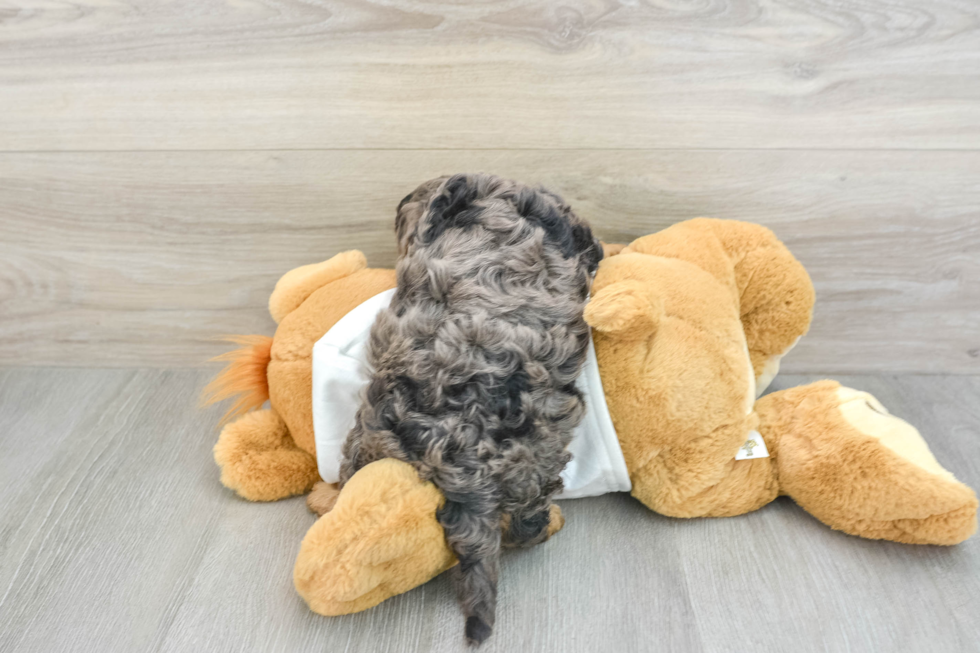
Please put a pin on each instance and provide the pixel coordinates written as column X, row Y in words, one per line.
column 115, row 535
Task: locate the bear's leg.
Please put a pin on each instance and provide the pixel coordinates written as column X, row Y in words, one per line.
column 260, row 461
column 848, row 462
column 381, row 538
column 702, row 478
column 775, row 295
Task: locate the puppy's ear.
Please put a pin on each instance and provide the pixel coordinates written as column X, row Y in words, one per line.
column 561, row 226
column 451, row 206
column 586, row 245
column 625, row 309
column 410, row 211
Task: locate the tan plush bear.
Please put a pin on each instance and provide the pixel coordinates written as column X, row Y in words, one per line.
column 689, row 325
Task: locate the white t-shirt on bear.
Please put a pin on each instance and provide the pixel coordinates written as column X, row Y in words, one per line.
column 340, row 374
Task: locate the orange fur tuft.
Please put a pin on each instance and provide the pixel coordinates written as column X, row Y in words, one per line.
column 244, row 377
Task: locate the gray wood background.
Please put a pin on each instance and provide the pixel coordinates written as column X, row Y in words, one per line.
column 162, row 163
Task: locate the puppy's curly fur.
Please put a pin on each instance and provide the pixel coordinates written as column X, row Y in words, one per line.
column 475, row 364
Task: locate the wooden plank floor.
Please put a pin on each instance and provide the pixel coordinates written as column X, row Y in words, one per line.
column 115, row 535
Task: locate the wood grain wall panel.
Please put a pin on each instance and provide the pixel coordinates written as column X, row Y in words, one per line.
column 142, row 258
column 517, row 74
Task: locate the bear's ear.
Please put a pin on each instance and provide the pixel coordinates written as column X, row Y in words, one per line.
column 611, row 249
column 625, row 308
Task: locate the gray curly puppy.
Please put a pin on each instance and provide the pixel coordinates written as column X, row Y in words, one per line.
column 474, row 365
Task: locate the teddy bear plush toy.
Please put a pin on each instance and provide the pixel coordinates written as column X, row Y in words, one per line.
column 689, row 325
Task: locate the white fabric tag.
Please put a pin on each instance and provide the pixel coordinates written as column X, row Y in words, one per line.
column 754, row 447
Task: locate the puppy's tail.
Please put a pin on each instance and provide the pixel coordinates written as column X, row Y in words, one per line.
column 472, row 530
column 244, row 377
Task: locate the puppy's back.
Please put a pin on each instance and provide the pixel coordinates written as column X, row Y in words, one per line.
column 476, row 359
